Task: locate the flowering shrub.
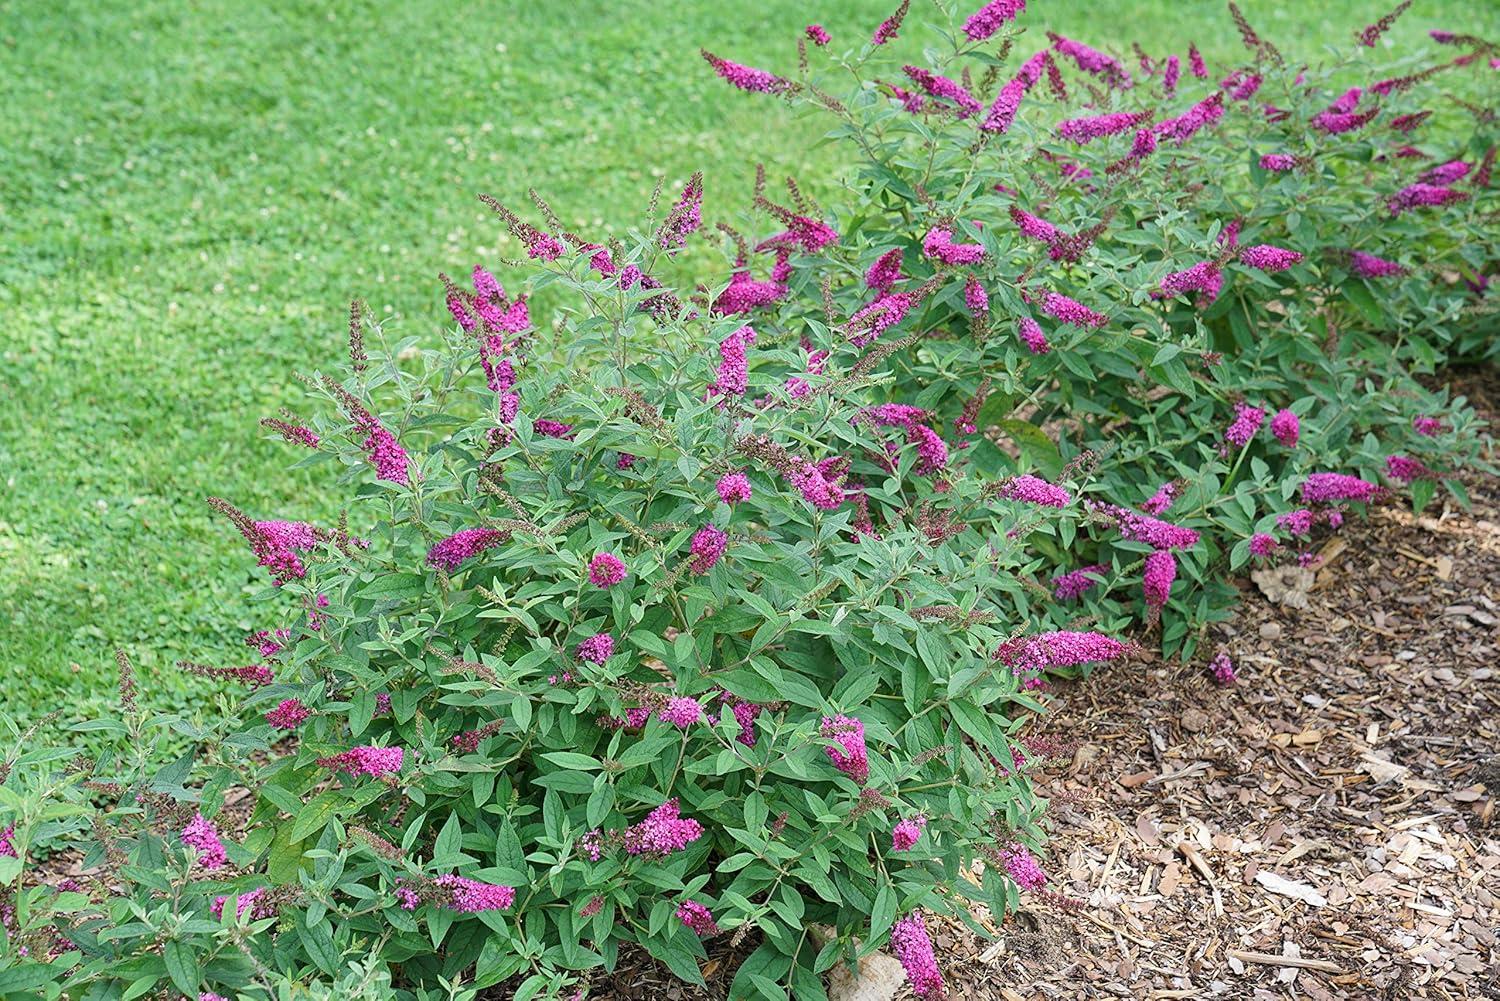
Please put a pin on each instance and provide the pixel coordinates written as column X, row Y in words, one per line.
column 736, row 632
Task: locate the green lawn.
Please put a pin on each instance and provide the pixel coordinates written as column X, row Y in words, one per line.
column 190, row 192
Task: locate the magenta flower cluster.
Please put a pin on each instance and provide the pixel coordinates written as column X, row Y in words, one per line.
column 1161, row 501
column 469, row 896
column 850, row 755
column 942, row 87
column 606, row 570
column 1265, row 257
column 662, row 832
column 747, row 77
column 1156, row 582
column 1369, row 266
column 1035, row 490
column 907, row 832
column 1031, row 334
column 1285, row 428
column 1143, row 528
column 1021, row 866
column 450, row 553
column 597, row 649
column 1071, row 312
column 707, row 547
column 987, row 20
column 1247, row 422
column 939, row 245
column 698, row 918
column 1075, row 584
column 1223, row 669
column 252, row 902
column 1263, row 545
column 885, row 272
column 681, row 712
column 1334, row 488
column 1091, row 127
column 733, row 488
column 288, row 714
column 367, row 760
column 278, row 545
column 203, row 837
column 913, row 947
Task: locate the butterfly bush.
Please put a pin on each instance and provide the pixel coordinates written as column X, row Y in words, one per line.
column 663, row 618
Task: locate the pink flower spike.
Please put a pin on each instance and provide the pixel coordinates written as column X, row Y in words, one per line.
column 698, row 918
column 1404, row 469
column 1333, row 488
column 450, row 553
column 733, row 488
column 707, row 547
column 1263, row 545
column 372, row 761
column 913, row 947
column 747, row 77
column 1032, row 336
column 681, row 712
column 976, row 298
column 1265, row 257
column 1086, row 129
column 907, row 832
column 606, row 570
column 885, row 272
column 1247, row 422
column 1071, row 312
column 1076, row 583
column 818, row 35
column 939, row 246
column 1286, row 428
column 1161, row 501
column 597, row 649
column 1369, row 266
column 469, row 896
column 1034, row 490
column 987, row 20
column 1033, row 227
column 1021, row 866
column 1156, row 584
column 1422, row 195
column 288, row 714
column 203, row 837
column 661, row 833
column 942, row 87
column 850, row 755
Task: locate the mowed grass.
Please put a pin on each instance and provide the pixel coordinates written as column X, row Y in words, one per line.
column 190, row 194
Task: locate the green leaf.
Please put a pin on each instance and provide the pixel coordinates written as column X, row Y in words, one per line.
column 315, row 816
column 572, row 759
column 883, row 914
column 182, row 967
column 1035, row 446
column 394, row 587
column 318, row 941
column 286, row 857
